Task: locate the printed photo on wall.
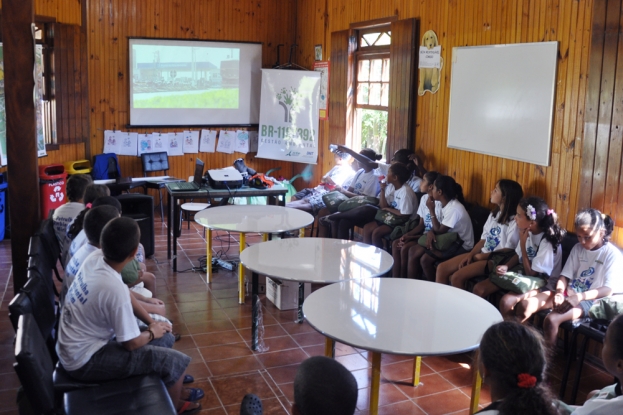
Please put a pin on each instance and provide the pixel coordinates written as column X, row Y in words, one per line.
column 430, row 64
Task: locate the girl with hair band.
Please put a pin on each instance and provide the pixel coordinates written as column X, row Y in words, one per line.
column 454, row 219
column 397, row 198
column 402, row 245
column 365, row 182
column 500, row 234
column 538, row 254
column 590, row 273
column 512, row 360
column 609, row 400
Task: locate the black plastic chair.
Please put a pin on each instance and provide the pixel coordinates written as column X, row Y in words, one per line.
column 156, row 162
column 50, row 244
column 589, row 333
column 140, row 208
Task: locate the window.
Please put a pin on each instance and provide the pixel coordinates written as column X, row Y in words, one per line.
column 46, row 113
column 372, row 66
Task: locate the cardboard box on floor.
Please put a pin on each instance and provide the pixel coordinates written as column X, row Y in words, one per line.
column 284, row 294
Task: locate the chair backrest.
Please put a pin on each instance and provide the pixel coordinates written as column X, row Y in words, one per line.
column 155, row 162
column 478, row 216
column 40, row 304
column 49, row 240
column 19, row 305
column 568, row 242
column 105, row 166
column 34, row 366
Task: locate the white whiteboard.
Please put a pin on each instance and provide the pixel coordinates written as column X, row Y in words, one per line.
column 502, row 100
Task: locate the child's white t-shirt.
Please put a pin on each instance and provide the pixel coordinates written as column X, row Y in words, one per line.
column 64, row 216
column 340, row 174
column 424, row 213
column 413, row 182
column 73, row 266
column 602, row 404
column 366, row 184
column 457, row 219
column 541, row 255
column 79, row 241
column 589, row 270
column 402, row 199
column 499, row 236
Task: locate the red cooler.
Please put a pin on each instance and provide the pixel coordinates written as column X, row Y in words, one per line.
column 52, row 180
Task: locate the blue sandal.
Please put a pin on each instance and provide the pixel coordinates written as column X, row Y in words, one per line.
column 194, row 394
column 188, row 379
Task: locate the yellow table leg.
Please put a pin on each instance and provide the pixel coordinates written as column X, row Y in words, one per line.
column 264, row 237
column 209, row 255
column 241, row 271
column 302, row 233
column 473, row 405
column 417, row 363
column 375, row 383
column 328, row 347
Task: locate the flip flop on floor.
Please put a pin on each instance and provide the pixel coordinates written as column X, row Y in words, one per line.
column 189, row 408
column 177, row 336
column 194, row 394
column 188, row 379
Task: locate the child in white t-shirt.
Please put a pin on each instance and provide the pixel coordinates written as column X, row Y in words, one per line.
column 454, row 219
column 591, row 272
column 364, row 183
column 513, row 361
column 609, row 400
column 402, row 245
column 310, row 200
column 500, row 233
column 64, row 215
column 396, row 199
column 538, row 254
column 98, row 338
column 414, row 165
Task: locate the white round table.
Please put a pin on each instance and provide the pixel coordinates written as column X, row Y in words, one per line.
column 265, row 219
column 315, row 260
column 400, row 316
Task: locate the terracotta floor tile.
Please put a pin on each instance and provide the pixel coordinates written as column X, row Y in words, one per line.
column 213, row 339
column 317, row 350
column 444, row 402
column 402, row 371
column 401, row 408
column 283, row 374
column 235, row 365
column 197, row 306
column 245, row 322
column 343, row 349
column 193, row 297
column 282, row 358
column 7, row 399
column 231, row 389
column 280, row 343
column 9, row 381
column 210, row 326
column 429, row 385
column 353, row 362
column 202, row 316
column 309, row 339
column 226, row 351
column 363, row 377
column 198, row 370
column 288, row 391
column 388, row 394
column 459, row 377
column 441, row 363
column 274, row 330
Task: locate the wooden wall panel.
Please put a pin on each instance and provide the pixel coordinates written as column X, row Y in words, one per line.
column 111, row 22
column 473, row 23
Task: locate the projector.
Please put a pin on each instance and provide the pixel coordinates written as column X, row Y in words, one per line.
column 227, row 178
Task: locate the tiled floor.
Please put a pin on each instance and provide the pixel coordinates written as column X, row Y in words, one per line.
column 216, row 333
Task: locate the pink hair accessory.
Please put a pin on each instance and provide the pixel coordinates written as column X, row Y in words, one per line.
column 550, row 211
column 88, row 205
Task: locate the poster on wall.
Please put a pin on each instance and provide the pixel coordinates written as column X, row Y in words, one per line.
column 289, row 115
column 38, row 96
column 323, row 99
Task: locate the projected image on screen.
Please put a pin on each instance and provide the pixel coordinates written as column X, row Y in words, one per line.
column 185, row 77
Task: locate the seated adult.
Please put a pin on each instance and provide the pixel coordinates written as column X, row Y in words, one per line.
column 98, row 338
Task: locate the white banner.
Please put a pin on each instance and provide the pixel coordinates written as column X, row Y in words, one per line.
column 289, row 115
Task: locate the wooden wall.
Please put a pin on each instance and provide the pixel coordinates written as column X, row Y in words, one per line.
column 111, row 22
column 470, row 23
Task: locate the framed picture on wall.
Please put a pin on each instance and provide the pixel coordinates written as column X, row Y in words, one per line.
column 318, row 52
column 323, row 103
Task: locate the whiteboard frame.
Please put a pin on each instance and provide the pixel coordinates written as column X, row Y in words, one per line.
column 535, row 81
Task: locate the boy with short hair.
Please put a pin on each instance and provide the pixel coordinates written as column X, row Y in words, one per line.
column 65, row 214
column 98, row 338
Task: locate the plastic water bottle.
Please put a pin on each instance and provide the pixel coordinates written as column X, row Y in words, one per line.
column 333, row 148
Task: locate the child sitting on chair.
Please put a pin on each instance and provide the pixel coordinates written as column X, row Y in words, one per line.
column 310, row 200
column 98, row 338
column 65, row 214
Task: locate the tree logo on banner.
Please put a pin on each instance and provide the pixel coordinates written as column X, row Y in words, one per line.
column 289, row 100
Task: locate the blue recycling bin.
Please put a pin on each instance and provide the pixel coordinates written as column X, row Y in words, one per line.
column 3, row 191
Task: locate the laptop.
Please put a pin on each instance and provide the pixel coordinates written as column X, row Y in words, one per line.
column 189, row 186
